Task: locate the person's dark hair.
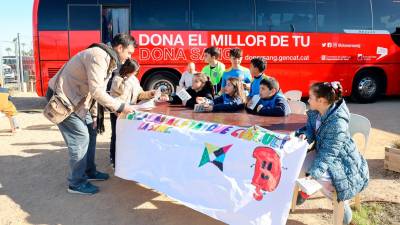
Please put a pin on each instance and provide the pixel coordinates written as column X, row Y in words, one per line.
column 235, row 53
column 270, row 82
column 207, row 83
column 213, row 51
column 123, row 39
column 331, row 91
column 129, row 67
column 259, row 63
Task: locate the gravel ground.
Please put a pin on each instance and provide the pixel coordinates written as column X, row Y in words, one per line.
column 33, row 168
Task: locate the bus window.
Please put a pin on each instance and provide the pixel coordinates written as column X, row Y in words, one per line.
column 222, row 15
column 114, row 2
column 114, row 21
column 286, row 16
column 83, row 2
column 157, row 15
column 386, row 15
column 341, row 15
column 52, row 15
column 84, row 17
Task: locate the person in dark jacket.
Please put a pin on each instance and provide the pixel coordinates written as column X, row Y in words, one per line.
column 201, row 88
column 335, row 163
column 232, row 100
column 271, row 100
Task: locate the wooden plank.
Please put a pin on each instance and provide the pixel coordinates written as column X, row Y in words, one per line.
column 392, row 150
column 392, row 168
column 392, row 158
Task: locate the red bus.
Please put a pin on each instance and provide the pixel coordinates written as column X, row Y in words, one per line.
column 355, row 42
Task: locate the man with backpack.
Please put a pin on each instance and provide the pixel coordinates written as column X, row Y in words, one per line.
column 81, row 83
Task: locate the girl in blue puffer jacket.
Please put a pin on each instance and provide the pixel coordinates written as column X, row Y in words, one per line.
column 336, row 163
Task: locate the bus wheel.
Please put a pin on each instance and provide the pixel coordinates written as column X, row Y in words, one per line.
column 366, row 87
column 165, row 79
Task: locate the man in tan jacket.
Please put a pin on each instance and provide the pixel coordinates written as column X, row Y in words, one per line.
column 82, row 83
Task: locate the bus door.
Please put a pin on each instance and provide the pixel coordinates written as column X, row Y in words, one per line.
column 115, row 19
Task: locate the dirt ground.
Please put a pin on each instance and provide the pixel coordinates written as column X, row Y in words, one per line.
column 33, row 169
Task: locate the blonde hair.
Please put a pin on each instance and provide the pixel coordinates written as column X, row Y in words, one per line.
column 203, row 77
column 206, row 81
column 238, row 88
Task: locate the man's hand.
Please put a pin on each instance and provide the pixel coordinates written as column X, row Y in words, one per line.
column 129, row 109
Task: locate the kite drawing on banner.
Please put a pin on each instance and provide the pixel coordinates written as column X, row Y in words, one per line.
column 267, row 171
column 215, row 155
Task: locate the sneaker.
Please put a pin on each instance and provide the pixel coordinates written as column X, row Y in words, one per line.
column 84, row 189
column 98, row 176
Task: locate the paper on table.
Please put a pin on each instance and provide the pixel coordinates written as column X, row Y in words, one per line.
column 254, row 100
column 183, row 95
column 145, row 104
column 199, row 108
column 309, row 186
column 158, row 93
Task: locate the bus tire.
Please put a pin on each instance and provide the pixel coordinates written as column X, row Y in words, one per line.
column 162, row 78
column 367, row 87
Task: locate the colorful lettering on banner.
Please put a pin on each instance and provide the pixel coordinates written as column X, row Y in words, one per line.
column 260, row 136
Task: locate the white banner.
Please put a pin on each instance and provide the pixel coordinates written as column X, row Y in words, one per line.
column 234, row 174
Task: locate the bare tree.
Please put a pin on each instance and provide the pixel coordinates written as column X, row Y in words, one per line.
column 8, row 50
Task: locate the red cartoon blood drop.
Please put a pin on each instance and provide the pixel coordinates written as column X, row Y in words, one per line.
column 267, row 171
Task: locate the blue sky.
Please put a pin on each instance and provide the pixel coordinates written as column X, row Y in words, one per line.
column 15, row 17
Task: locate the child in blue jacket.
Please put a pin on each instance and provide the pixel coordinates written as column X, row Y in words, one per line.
column 232, row 100
column 335, row 163
column 272, row 102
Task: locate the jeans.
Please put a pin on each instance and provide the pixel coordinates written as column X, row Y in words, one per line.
column 80, row 138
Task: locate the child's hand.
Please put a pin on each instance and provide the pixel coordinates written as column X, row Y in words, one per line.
column 200, row 100
column 246, row 87
column 249, row 103
column 208, row 108
column 259, row 108
column 302, row 137
column 163, row 98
